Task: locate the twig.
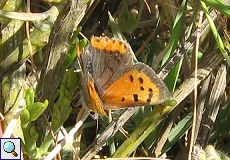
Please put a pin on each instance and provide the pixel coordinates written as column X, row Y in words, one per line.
column 195, row 83
column 69, row 138
column 27, row 16
column 10, row 129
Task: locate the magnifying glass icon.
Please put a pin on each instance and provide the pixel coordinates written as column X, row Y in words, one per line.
column 9, row 147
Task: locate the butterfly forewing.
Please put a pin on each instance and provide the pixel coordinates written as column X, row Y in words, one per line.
column 110, row 58
column 90, row 97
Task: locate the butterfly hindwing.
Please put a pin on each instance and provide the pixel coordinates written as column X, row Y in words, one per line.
column 139, row 85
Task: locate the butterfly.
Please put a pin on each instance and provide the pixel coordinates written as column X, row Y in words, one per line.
column 111, row 79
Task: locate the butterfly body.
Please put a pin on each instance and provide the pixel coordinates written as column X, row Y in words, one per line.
column 114, row 81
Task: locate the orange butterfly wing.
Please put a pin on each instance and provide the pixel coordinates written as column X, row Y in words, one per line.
column 139, row 85
column 95, row 102
column 110, row 59
column 113, row 81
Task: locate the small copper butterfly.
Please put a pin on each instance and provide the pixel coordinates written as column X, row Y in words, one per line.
column 113, row 81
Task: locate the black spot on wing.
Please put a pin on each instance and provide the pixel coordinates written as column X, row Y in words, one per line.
column 135, row 97
column 150, row 90
column 142, row 88
column 148, row 100
column 141, row 80
column 131, row 78
column 150, row 97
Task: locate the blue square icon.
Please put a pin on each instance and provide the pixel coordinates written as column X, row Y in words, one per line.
column 10, row 148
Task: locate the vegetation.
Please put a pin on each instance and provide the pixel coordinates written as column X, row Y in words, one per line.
column 185, row 42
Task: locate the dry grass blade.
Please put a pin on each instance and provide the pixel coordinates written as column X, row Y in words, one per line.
column 109, row 132
column 182, row 50
column 69, row 138
column 53, row 69
column 213, row 106
column 201, row 104
column 39, row 38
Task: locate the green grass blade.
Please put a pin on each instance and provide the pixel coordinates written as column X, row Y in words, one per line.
column 147, row 126
column 216, row 35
